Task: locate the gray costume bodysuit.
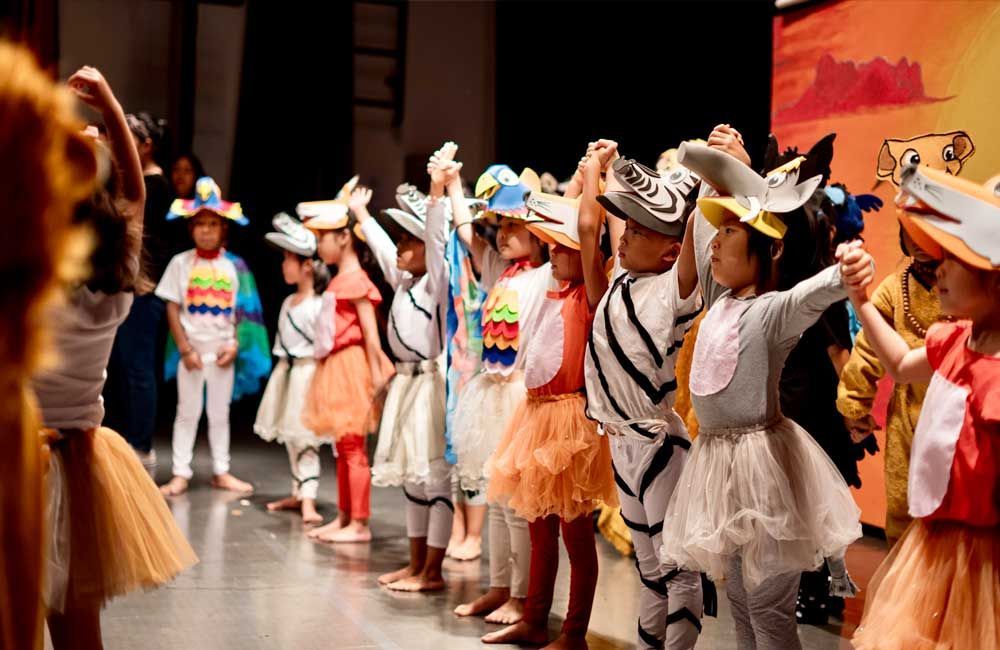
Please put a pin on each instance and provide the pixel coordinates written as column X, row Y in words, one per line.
column 757, row 494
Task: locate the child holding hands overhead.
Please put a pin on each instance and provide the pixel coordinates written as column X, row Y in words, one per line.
column 351, row 369
column 411, row 444
column 551, row 466
column 939, row 587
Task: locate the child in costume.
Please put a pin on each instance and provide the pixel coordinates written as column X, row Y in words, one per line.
column 906, row 298
column 109, row 529
column 808, row 385
column 758, row 501
column 43, row 178
column 939, row 587
column 551, row 466
column 280, row 414
column 464, row 339
column 410, row 451
column 639, row 328
column 516, row 278
column 351, row 369
column 200, row 287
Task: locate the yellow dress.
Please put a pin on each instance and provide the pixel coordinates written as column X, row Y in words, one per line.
column 858, row 385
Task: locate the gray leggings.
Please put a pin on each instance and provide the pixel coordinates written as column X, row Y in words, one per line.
column 765, row 617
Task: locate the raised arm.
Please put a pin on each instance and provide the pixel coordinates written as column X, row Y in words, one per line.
column 436, row 241
column 729, row 140
column 594, row 275
column 687, row 266
column 904, row 365
column 90, row 86
column 377, row 239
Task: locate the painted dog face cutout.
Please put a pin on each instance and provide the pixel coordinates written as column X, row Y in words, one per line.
column 946, row 152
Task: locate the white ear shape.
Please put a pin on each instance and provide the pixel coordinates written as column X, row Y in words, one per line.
column 786, row 199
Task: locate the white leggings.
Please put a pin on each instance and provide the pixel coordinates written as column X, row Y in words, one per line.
column 193, row 386
column 670, row 600
column 510, row 550
column 429, row 511
column 303, row 458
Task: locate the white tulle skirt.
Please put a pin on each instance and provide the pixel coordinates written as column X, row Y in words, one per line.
column 485, row 407
column 768, row 494
column 411, row 441
column 279, row 417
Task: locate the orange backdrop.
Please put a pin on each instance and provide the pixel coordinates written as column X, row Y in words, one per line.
column 870, row 70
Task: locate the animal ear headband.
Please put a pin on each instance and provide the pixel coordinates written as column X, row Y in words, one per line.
column 755, row 200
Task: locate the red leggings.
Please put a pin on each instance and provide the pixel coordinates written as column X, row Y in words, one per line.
column 578, row 536
column 354, row 478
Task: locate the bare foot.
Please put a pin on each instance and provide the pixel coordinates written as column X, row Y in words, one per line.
column 353, row 533
column 470, row 549
column 564, row 642
column 520, row 633
column 418, row 583
column 509, row 613
column 229, row 482
column 331, row 527
column 309, row 514
column 453, row 544
column 395, row 576
column 288, row 503
column 174, row 487
column 485, row 604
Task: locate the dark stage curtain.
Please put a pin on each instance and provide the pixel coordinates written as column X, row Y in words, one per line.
column 295, row 122
column 648, row 74
column 35, row 23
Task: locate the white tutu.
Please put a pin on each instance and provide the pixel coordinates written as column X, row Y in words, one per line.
column 411, row 435
column 770, row 495
column 279, row 416
column 485, row 406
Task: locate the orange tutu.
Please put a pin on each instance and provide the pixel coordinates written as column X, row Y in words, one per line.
column 551, row 461
column 938, row 589
column 113, row 526
column 341, row 396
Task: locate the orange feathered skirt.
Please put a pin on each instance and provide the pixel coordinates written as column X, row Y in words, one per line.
column 938, row 589
column 341, row 399
column 552, row 461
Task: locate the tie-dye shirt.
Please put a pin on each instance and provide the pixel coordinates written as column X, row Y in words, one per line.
column 206, row 289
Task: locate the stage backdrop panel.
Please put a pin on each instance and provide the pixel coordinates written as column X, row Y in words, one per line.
column 869, row 71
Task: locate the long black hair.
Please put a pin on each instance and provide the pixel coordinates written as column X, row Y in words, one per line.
column 199, row 169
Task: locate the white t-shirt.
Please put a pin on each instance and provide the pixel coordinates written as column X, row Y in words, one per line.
column 415, row 330
column 85, row 327
column 297, row 328
column 638, row 329
column 206, row 291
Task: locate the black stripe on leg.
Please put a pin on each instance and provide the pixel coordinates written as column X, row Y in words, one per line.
column 684, row 614
column 639, row 528
column 445, row 500
column 622, row 485
column 412, row 499
column 649, row 639
column 656, row 466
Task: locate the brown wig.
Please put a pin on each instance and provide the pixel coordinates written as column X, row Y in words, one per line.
column 46, row 167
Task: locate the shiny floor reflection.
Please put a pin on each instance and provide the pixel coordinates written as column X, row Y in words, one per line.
column 262, row 584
